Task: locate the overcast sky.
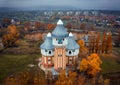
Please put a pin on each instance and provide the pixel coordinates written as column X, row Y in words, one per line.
column 81, row 4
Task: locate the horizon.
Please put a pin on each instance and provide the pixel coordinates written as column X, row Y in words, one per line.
column 62, row 4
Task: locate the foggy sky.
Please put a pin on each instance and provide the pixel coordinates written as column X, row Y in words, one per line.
column 81, row 4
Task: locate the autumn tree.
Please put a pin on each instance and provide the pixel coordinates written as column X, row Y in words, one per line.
column 92, row 27
column 63, row 79
column 37, row 25
column 118, row 39
column 81, row 80
column 92, row 40
column 2, row 32
column 97, row 43
column 6, row 22
column 69, row 26
column 50, row 26
column 83, row 49
column 104, row 42
column 10, row 39
column 91, row 65
column 29, row 77
column 109, row 45
column 82, row 25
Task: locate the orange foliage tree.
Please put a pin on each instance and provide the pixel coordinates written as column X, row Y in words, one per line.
column 117, row 42
column 66, row 80
column 82, row 26
column 10, row 39
column 83, row 49
column 29, row 77
column 97, row 45
column 69, row 25
column 104, row 42
column 82, row 46
column 91, row 65
column 109, row 45
column 50, row 26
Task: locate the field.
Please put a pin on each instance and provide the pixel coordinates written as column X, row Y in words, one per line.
column 111, row 62
column 15, row 60
column 11, row 64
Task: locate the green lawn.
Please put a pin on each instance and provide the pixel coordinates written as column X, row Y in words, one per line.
column 11, row 64
column 111, row 62
column 110, row 65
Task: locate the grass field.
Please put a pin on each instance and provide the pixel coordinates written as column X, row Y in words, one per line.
column 111, row 62
column 11, row 64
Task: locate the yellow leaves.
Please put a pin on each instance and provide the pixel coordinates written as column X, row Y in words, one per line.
column 51, row 26
column 81, row 80
column 91, row 65
column 10, row 39
column 107, row 43
column 83, row 65
column 66, row 80
column 26, row 78
column 82, row 46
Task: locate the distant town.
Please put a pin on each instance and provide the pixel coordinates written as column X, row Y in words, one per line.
column 59, row 47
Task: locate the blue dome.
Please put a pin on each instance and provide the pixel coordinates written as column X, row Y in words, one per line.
column 72, row 45
column 47, row 45
column 60, row 32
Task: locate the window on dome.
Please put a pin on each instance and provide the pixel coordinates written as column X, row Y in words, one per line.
column 45, row 50
column 49, row 52
column 73, row 50
column 70, row 52
column 63, row 39
column 60, row 41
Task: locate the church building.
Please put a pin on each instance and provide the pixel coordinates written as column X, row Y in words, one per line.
column 59, row 50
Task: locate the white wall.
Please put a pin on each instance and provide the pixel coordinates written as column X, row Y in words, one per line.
column 47, row 53
column 55, row 42
column 72, row 53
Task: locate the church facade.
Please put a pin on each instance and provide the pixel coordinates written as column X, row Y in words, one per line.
column 59, row 50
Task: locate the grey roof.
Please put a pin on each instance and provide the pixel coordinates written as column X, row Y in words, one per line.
column 47, row 44
column 60, row 32
column 72, row 44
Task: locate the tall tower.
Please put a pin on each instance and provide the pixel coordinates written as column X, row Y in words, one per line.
column 59, row 40
column 47, row 51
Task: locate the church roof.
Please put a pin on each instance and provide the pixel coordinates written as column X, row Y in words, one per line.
column 59, row 22
column 60, row 31
column 72, row 43
column 47, row 43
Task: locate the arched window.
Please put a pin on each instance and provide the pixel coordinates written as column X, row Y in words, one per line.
column 49, row 52
column 73, row 50
column 70, row 52
column 59, row 41
column 45, row 50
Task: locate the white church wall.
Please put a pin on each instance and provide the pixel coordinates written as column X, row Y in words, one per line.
column 72, row 53
column 46, row 52
column 64, row 42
